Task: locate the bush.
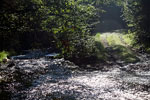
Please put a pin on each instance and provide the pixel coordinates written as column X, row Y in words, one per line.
column 3, row 55
column 136, row 14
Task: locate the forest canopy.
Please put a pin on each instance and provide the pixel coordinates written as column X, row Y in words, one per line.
column 65, row 25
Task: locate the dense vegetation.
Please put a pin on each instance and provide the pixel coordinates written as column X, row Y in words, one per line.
column 65, row 25
column 3, row 55
column 136, row 14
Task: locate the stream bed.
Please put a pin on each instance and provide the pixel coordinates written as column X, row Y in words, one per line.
column 58, row 79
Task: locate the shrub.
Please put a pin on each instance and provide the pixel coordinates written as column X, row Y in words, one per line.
column 3, row 55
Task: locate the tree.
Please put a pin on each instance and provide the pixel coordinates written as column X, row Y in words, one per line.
column 136, row 14
column 66, row 24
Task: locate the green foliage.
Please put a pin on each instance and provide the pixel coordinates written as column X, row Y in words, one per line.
column 20, row 25
column 100, row 52
column 129, row 38
column 136, row 14
column 148, row 50
column 114, row 39
column 97, row 37
column 124, row 54
column 71, row 27
column 83, row 48
column 117, row 45
column 3, row 55
column 126, row 39
column 65, row 24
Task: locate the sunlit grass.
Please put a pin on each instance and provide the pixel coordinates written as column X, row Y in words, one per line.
column 114, row 39
column 129, row 39
column 120, row 39
column 119, row 43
